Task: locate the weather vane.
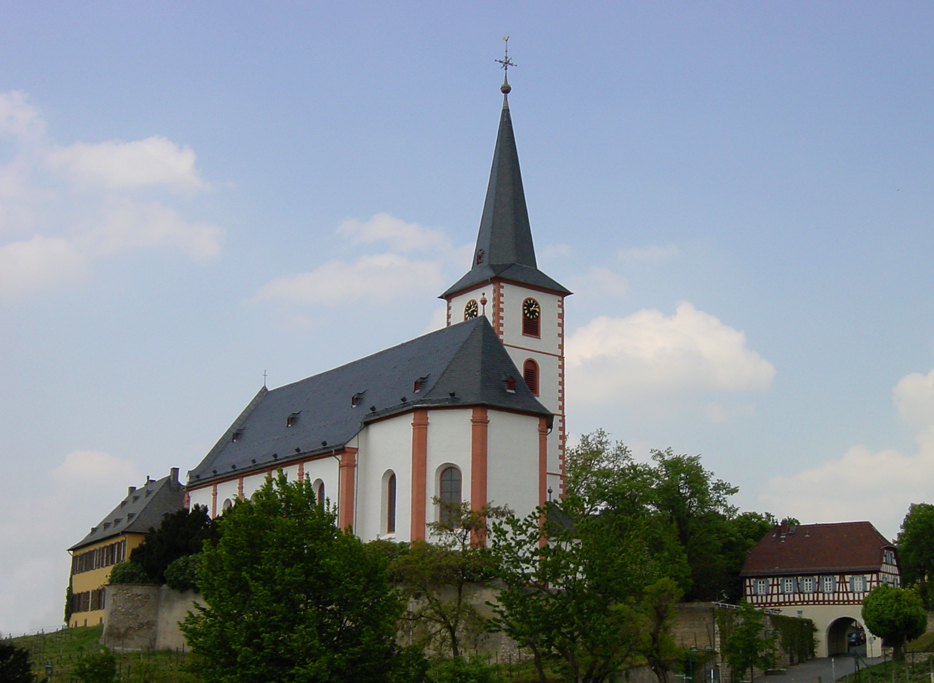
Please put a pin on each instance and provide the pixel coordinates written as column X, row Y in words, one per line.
column 506, row 63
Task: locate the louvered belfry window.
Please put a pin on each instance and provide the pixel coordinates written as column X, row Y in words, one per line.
column 530, row 374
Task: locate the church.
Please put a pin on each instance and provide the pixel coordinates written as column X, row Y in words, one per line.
column 472, row 412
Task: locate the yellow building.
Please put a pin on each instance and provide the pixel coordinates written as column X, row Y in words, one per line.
column 112, row 541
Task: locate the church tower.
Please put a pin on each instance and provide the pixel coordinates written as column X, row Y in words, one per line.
column 524, row 306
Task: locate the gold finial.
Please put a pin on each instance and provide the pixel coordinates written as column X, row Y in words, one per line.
column 506, row 63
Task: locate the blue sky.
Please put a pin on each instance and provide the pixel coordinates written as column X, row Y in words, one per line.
column 191, row 194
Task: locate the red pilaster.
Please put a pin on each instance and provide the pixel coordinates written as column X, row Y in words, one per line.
column 419, row 474
column 348, row 488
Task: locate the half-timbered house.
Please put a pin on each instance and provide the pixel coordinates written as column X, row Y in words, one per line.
column 821, row 572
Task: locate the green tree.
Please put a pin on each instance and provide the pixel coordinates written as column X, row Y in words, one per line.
column 181, row 533
column 658, row 614
column 747, row 645
column 916, row 550
column 97, row 667
column 129, row 572
column 897, row 615
column 571, row 588
column 441, row 579
column 290, row 597
column 14, row 664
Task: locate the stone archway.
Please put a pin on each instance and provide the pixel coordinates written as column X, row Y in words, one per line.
column 837, row 633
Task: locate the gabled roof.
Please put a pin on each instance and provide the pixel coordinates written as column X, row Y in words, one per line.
column 817, row 548
column 504, row 244
column 141, row 510
column 461, row 365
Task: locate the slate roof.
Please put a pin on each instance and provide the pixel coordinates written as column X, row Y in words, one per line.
column 504, row 244
column 140, row 511
column 817, row 548
column 461, row 365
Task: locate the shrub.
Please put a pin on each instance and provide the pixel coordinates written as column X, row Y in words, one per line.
column 182, row 573
column 97, row 667
column 129, row 572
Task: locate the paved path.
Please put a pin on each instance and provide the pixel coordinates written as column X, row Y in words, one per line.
column 823, row 670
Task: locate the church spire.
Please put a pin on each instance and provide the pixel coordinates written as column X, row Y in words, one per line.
column 504, row 243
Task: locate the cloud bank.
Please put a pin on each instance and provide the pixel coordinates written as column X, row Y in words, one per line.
column 63, row 208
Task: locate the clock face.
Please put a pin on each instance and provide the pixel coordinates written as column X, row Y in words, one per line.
column 471, row 310
column 531, row 309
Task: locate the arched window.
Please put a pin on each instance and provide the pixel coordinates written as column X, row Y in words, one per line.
column 531, row 318
column 391, row 504
column 449, row 494
column 530, row 374
column 319, row 492
column 227, row 505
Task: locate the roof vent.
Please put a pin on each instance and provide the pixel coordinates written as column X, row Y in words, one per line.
column 292, row 419
column 420, row 384
column 511, row 384
column 237, row 435
column 356, row 398
column 324, row 443
column 275, row 456
column 106, row 525
column 403, row 399
column 130, row 515
column 372, row 409
column 130, row 490
column 136, row 498
column 117, row 520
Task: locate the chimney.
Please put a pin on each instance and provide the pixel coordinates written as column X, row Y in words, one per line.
column 173, row 474
column 130, row 490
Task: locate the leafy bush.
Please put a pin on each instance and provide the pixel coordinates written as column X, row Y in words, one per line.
column 97, row 667
column 460, row 670
column 181, row 533
column 129, row 572
column 182, row 573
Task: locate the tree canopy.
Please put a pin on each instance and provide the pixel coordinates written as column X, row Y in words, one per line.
column 14, row 664
column 290, row 597
column 181, row 533
column 895, row 614
column 916, row 550
column 684, row 509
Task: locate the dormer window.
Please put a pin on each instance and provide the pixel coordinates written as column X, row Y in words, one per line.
column 237, row 435
column 419, row 383
column 480, row 255
column 511, row 384
column 356, row 399
column 292, row 419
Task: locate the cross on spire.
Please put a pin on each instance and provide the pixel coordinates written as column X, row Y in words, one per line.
column 505, row 62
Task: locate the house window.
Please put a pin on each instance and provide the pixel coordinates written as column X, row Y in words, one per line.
column 530, row 374
column 828, row 584
column 762, row 586
column 807, row 584
column 449, row 494
column 531, row 318
column 889, row 557
column 858, row 583
column 391, row 504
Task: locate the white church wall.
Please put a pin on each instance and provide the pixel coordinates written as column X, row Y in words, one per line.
column 449, row 440
column 384, row 445
column 512, row 462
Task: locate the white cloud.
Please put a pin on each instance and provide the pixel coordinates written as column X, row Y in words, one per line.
column 864, row 484
column 37, row 526
column 127, row 165
column 55, row 232
column 372, row 278
column 401, row 237
column 129, row 225
column 378, row 277
column 648, row 356
column 18, row 118
column 600, row 282
column 39, row 264
column 652, row 255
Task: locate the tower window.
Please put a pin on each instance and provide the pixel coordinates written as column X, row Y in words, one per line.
column 531, row 318
column 530, row 375
column 450, row 494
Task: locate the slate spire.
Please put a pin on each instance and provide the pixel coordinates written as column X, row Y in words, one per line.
column 505, row 234
column 504, row 244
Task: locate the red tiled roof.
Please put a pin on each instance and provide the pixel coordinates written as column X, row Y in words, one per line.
column 818, row 548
